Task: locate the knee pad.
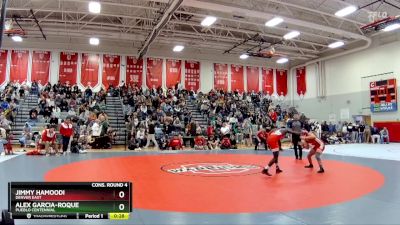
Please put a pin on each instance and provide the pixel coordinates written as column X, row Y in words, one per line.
column 318, row 156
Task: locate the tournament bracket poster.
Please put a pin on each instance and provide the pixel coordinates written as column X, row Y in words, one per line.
column 383, row 95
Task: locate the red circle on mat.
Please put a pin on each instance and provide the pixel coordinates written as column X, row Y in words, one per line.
column 295, row 189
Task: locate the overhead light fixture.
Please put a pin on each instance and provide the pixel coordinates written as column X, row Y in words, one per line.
column 273, row 22
column 282, row 60
column 94, row 41
column 291, row 35
column 16, row 38
column 336, row 44
column 391, row 27
column 94, row 7
column 244, row 56
column 208, row 21
column 346, row 11
column 178, row 48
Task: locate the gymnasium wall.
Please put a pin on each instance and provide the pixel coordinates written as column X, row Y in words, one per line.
column 347, row 90
column 206, row 60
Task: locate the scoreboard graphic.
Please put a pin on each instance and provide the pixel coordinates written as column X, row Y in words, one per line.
column 43, row 200
column 383, row 95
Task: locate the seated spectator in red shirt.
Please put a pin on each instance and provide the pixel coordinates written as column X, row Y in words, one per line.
column 226, row 143
column 175, row 143
column 200, row 143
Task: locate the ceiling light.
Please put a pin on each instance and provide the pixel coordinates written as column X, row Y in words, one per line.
column 178, row 48
column 273, row 22
column 282, row 60
column 346, row 11
column 94, row 7
column 244, row 56
column 336, row 44
column 208, row 21
column 17, row 38
column 291, row 35
column 94, row 41
column 391, row 27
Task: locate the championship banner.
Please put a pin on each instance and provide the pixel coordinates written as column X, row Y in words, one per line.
column 111, row 70
column 383, row 95
column 154, row 73
column 3, row 65
column 40, row 66
column 192, row 75
column 173, row 72
column 134, row 71
column 221, row 76
column 301, row 81
column 68, row 69
column 237, row 81
column 268, row 81
column 90, row 69
column 252, row 79
column 281, row 82
column 19, row 65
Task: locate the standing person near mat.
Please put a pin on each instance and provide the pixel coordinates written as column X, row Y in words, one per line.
column 273, row 140
column 296, row 126
column 316, row 146
column 66, row 132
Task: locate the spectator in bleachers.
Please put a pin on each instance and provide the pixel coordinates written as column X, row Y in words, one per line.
column 3, row 140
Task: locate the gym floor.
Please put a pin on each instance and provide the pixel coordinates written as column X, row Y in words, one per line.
column 354, row 190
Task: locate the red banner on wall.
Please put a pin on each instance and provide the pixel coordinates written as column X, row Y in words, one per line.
column 301, row 81
column 281, row 82
column 68, row 70
column 268, row 81
column 90, row 69
column 134, row 71
column 252, row 78
column 111, row 68
column 40, row 66
column 3, row 65
column 237, row 78
column 192, row 75
column 173, row 72
column 221, row 76
column 19, row 65
column 154, row 73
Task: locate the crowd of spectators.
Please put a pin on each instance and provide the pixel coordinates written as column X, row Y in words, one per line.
column 160, row 117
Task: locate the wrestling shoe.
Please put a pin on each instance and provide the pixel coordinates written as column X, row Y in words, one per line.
column 309, row 166
column 265, row 171
column 278, row 170
column 321, row 170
